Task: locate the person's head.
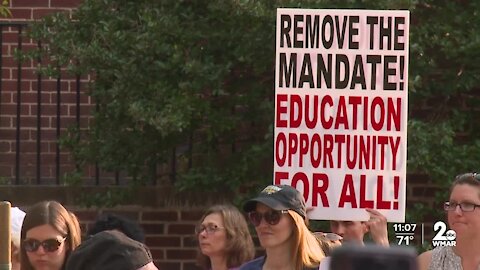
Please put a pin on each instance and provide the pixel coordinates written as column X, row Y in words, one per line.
column 351, row 231
column 279, row 215
column 106, row 222
column 111, row 250
column 49, row 233
column 462, row 208
column 223, row 232
column 16, row 220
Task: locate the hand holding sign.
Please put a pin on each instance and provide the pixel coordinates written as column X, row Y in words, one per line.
column 377, row 225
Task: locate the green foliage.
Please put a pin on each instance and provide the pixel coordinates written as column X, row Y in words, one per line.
column 108, row 199
column 444, row 82
column 195, row 78
column 433, row 144
column 168, row 75
column 443, row 97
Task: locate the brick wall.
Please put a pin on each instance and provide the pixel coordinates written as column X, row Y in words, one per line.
column 169, row 231
column 168, row 218
column 34, row 9
column 30, row 91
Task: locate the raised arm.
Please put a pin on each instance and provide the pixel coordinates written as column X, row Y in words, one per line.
column 377, row 225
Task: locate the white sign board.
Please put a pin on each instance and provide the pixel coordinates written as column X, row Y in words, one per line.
column 341, row 104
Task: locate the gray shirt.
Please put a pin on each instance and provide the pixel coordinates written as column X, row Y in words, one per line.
column 443, row 258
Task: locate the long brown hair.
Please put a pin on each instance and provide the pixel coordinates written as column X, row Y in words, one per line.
column 240, row 248
column 54, row 214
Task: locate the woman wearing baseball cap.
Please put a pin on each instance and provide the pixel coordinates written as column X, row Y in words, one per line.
column 279, row 215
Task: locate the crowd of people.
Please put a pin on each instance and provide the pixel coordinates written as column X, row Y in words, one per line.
column 48, row 237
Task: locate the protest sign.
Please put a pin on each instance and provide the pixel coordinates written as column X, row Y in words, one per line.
column 341, row 104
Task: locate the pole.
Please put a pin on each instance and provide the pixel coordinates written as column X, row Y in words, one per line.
column 5, row 237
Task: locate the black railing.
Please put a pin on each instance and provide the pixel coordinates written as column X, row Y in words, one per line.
column 18, row 28
column 18, row 168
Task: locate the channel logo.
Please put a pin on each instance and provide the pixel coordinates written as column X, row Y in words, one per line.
column 443, row 238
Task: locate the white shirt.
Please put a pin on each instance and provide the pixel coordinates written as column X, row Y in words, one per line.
column 325, row 264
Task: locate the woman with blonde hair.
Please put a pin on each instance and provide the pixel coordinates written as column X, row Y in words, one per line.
column 49, row 234
column 224, row 241
column 279, row 215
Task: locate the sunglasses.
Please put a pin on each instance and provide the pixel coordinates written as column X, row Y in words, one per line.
column 271, row 217
column 49, row 245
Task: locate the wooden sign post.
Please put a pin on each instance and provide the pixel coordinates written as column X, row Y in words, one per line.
column 5, row 237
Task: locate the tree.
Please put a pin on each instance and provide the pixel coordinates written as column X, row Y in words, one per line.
column 194, row 79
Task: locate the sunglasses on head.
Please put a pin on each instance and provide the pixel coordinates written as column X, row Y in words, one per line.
column 333, row 237
column 271, row 217
column 49, row 245
column 465, row 176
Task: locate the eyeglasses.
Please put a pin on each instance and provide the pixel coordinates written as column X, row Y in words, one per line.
column 49, row 245
column 209, row 229
column 271, row 217
column 465, row 207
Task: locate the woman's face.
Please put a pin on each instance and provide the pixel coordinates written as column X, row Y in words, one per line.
column 41, row 258
column 212, row 236
column 464, row 223
column 271, row 236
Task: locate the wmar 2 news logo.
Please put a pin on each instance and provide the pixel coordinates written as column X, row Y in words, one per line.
column 443, row 238
column 405, row 234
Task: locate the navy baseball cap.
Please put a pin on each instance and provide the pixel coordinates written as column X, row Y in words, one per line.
column 279, row 197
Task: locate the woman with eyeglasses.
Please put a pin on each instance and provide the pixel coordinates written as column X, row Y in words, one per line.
column 49, row 234
column 463, row 215
column 224, row 241
column 279, row 215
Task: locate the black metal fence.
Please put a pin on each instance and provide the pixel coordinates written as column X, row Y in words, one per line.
column 36, row 166
column 31, row 131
